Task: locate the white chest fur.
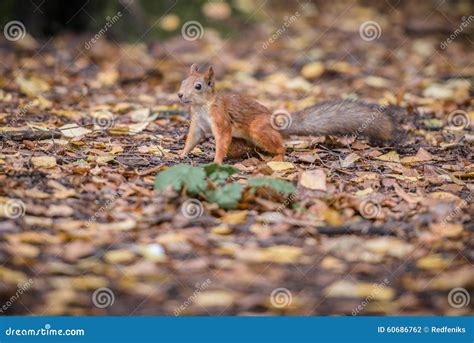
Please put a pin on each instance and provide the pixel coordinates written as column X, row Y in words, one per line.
column 201, row 115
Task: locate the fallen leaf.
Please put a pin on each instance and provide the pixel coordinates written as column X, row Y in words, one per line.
column 44, row 161
column 313, row 70
column 215, row 299
column 72, row 130
column 432, row 262
column 447, row 230
column 119, row 256
column 349, row 160
column 235, row 217
column 348, row 289
column 314, row 179
column 391, row 156
column 280, row 166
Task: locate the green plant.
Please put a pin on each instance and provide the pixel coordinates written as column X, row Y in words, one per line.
column 212, row 183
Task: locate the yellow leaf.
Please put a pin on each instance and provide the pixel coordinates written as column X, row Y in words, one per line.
column 314, row 179
column 391, row 156
column 44, row 103
column 215, row 299
column 104, row 158
column 421, row 156
column 32, row 86
column 221, row 230
column 447, row 229
column 235, row 217
column 280, row 166
column 89, row 282
column 116, row 149
column 375, row 291
column 313, row 70
column 432, row 262
column 364, row 192
column 332, row 263
column 332, row 217
column 11, row 276
column 402, row 177
column 44, row 161
column 282, row 254
column 124, row 225
column 389, row 246
column 348, row 289
column 119, row 256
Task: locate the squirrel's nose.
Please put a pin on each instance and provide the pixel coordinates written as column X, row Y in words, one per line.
column 180, row 95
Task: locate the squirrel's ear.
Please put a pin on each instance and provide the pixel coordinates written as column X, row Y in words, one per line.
column 210, row 76
column 194, row 68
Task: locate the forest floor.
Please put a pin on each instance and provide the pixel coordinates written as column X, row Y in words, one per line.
column 369, row 230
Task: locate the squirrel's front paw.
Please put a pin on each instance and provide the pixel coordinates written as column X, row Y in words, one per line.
column 182, row 155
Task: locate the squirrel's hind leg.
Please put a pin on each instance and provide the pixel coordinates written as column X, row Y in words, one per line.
column 239, row 148
column 266, row 137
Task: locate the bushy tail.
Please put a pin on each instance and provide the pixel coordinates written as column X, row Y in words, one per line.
column 346, row 118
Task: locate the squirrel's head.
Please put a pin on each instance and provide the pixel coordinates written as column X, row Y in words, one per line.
column 197, row 88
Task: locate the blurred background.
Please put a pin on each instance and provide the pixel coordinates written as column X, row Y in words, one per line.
column 311, row 41
column 66, row 62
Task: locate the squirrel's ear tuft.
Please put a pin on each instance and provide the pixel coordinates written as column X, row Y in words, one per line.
column 194, row 69
column 210, row 76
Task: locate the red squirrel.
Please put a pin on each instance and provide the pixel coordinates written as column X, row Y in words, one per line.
column 228, row 116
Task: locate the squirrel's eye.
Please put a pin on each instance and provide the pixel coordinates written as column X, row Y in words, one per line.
column 198, row 86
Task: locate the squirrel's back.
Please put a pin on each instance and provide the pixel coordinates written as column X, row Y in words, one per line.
column 348, row 118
